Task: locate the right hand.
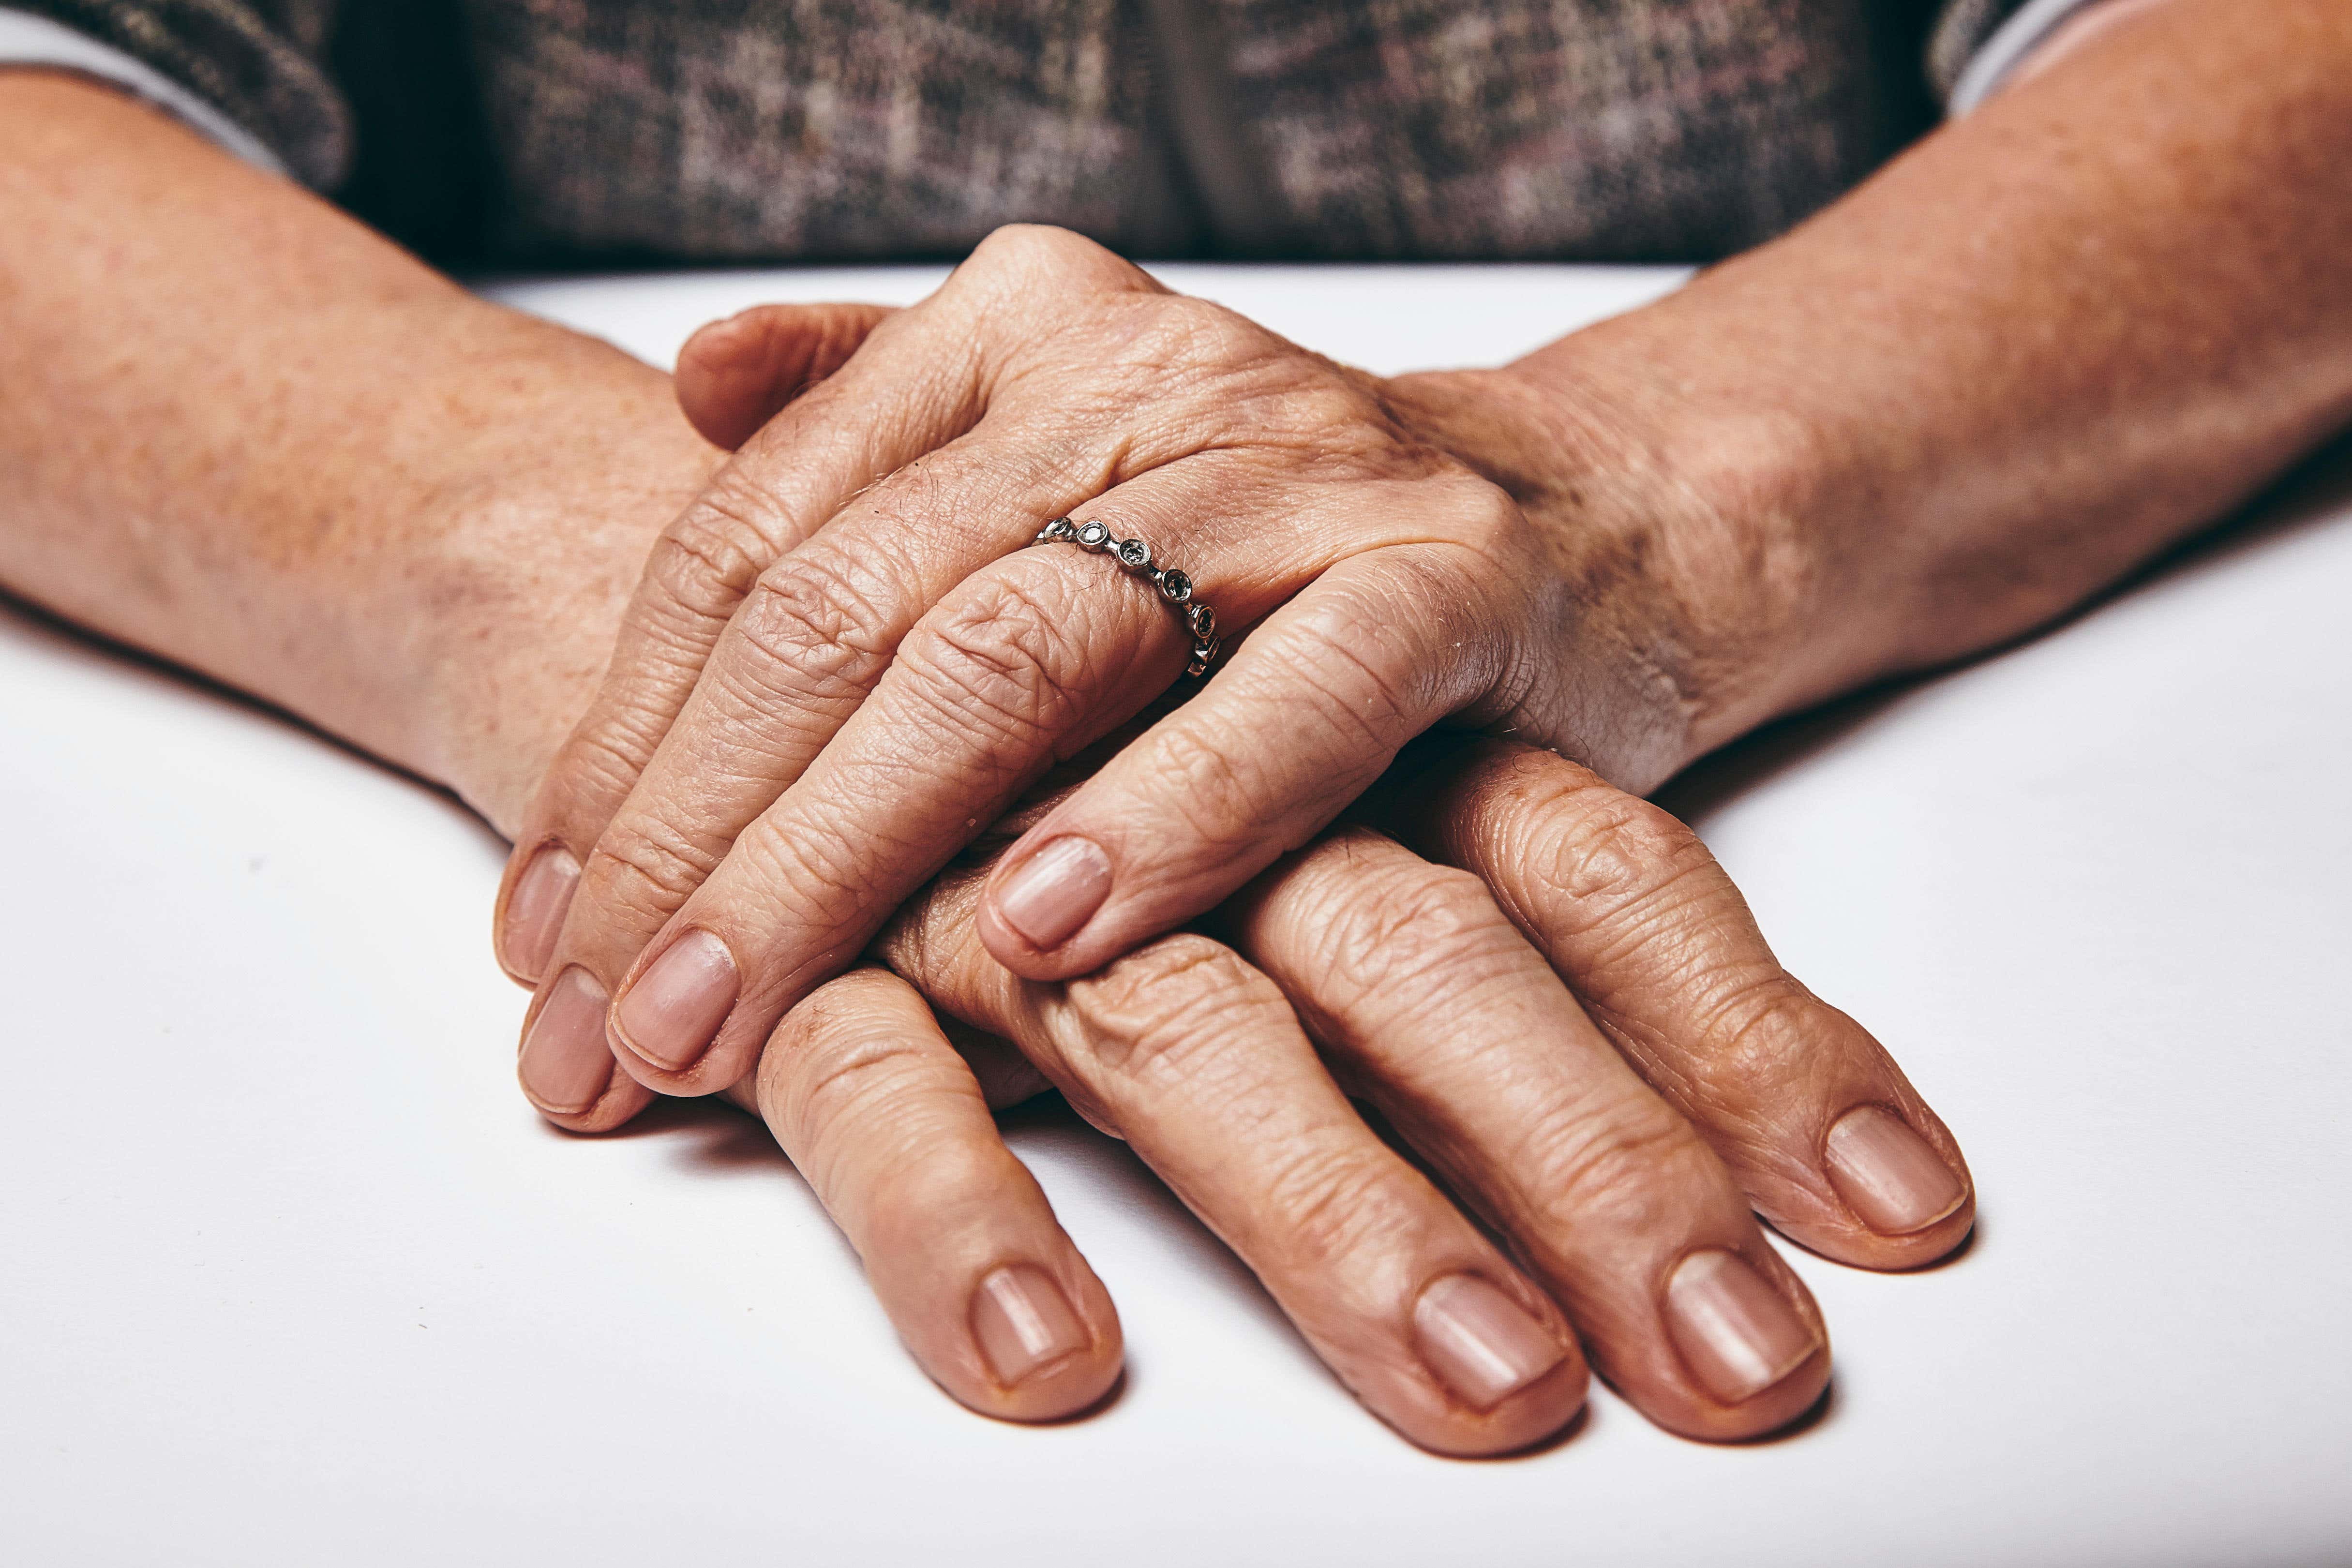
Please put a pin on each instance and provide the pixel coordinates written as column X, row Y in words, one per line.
column 1616, row 1147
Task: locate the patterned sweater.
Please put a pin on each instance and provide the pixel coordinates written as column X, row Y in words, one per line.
column 557, row 131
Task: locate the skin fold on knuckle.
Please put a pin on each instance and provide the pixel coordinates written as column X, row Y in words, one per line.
column 1630, row 1171
column 1163, row 1016
column 797, row 897
column 637, row 876
column 1337, row 1221
column 1591, row 856
column 1003, row 665
column 613, row 743
column 817, row 630
column 1221, row 806
column 1376, row 943
column 593, row 773
column 713, row 551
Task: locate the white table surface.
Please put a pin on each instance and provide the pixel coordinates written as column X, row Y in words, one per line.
column 291, row 1275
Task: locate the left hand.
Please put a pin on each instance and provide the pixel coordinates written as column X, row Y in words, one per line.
column 842, row 664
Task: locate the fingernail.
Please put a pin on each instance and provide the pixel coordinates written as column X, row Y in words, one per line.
column 1736, row 1334
column 1056, row 891
column 1481, row 1343
column 1022, row 1322
column 1887, row 1174
column 671, row 1014
column 566, row 1061
column 535, row 911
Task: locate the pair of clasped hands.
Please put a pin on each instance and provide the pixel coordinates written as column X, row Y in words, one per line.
column 884, row 818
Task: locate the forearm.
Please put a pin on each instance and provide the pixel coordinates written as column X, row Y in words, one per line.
column 239, row 430
column 2057, row 336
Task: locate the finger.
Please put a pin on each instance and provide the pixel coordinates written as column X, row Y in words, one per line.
column 919, row 383
column 563, row 1063
column 1311, row 710
column 1023, row 665
column 1199, row 1063
column 859, row 424
column 972, row 712
column 1827, row 1135
column 1433, row 1006
column 736, row 374
column 877, row 1111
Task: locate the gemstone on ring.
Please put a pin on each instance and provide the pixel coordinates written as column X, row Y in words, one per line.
column 1135, row 555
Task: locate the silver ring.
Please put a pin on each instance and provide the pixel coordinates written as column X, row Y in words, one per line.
column 1174, row 586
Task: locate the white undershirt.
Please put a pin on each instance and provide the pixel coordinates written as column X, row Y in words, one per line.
column 29, row 40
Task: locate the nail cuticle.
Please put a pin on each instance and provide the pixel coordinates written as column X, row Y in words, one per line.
column 686, row 995
column 1478, row 1343
column 1024, row 1326
column 564, row 1066
column 1738, row 1335
column 1049, row 896
column 535, row 908
column 1887, row 1176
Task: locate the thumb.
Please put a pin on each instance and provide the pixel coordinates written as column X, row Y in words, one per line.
column 734, row 375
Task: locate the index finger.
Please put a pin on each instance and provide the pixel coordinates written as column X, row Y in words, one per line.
column 862, row 424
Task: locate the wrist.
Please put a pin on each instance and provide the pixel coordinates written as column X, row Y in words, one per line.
column 1684, row 533
column 519, row 597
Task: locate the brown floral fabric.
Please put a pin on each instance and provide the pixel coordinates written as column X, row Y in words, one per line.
column 739, row 129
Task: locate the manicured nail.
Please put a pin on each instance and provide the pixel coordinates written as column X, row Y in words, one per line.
column 535, row 911
column 1887, row 1174
column 1022, row 1322
column 1481, row 1343
column 565, row 1062
column 1055, row 891
column 671, row 1014
column 1736, row 1334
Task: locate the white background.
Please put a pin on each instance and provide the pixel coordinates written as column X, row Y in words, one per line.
column 290, row 1274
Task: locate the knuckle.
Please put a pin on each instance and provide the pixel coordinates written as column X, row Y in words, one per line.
column 1630, row 1168
column 644, row 870
column 1759, row 1026
column 1224, row 800
column 814, row 628
column 846, row 1077
column 859, row 1104
column 1363, row 694
column 1602, row 849
column 1030, row 253
column 1409, row 932
column 1157, row 1014
column 808, row 883
column 717, row 548
column 1481, row 516
column 1001, row 661
column 1336, row 1205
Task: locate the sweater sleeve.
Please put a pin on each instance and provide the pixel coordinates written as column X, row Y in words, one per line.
column 250, row 74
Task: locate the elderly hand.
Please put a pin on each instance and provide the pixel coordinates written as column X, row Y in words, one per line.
column 842, row 664
column 1422, row 974
column 1435, row 994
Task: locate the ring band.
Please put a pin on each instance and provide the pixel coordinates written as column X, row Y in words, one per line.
column 1174, row 586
